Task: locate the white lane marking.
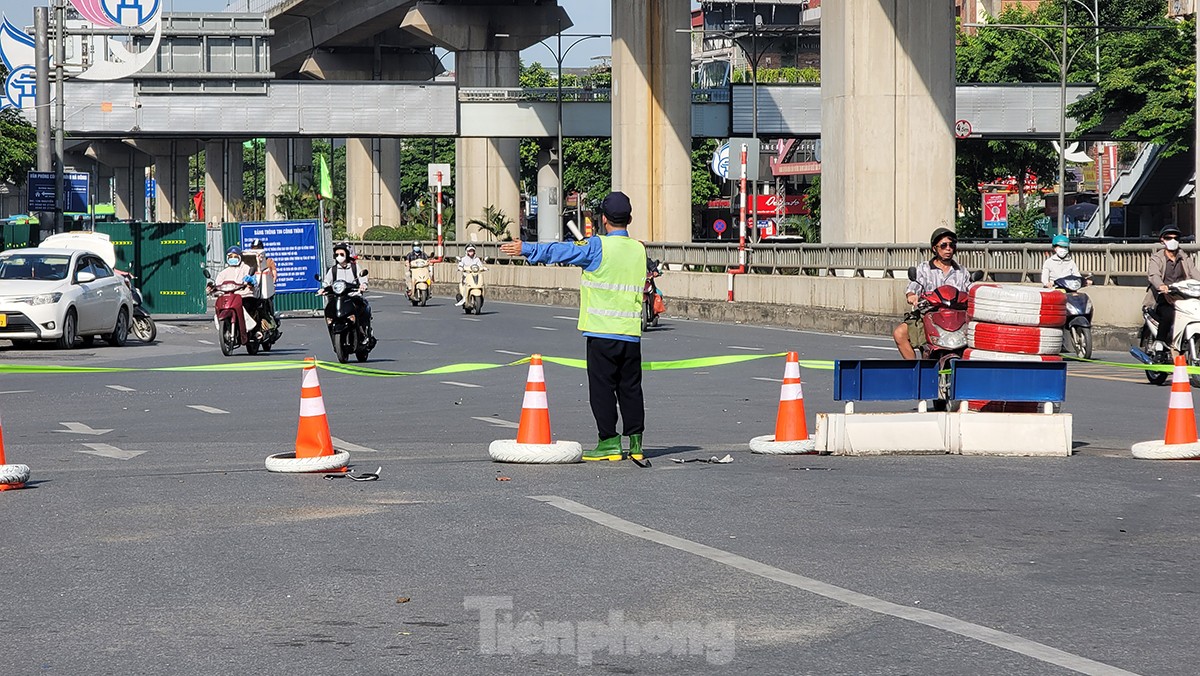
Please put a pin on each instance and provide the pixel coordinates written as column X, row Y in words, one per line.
column 515, row 354
column 106, row 451
column 120, row 388
column 885, row 348
column 472, row 319
column 749, row 349
column 458, row 384
column 770, row 380
column 929, row 618
column 409, row 312
column 423, row 342
column 80, row 428
column 208, row 409
column 544, row 328
column 206, row 342
column 343, row 445
column 17, row 392
column 511, row 425
column 570, row 319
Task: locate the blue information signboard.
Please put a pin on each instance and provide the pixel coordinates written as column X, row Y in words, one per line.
column 295, row 248
column 42, row 191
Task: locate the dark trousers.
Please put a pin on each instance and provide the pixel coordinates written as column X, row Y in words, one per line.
column 614, row 370
column 1166, row 319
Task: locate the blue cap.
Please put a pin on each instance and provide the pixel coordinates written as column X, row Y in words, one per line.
column 234, row 250
column 1061, row 240
column 616, row 207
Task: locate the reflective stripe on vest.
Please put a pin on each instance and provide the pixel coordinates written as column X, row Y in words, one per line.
column 610, row 298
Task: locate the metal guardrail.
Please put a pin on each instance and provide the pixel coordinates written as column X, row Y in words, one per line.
column 1110, row 264
column 569, row 94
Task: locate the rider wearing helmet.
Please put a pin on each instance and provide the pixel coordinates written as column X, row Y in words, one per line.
column 466, row 263
column 1059, row 263
column 236, row 271
column 1168, row 265
column 345, row 269
column 940, row 270
column 415, row 254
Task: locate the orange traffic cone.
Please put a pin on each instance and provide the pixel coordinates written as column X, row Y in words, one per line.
column 1181, row 418
column 313, row 439
column 790, row 424
column 11, row 476
column 534, row 427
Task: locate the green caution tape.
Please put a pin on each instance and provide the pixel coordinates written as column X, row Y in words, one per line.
column 366, row 371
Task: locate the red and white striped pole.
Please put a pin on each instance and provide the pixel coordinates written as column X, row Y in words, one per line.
column 741, row 269
column 441, row 252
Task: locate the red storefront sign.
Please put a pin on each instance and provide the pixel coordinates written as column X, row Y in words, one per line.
column 767, row 204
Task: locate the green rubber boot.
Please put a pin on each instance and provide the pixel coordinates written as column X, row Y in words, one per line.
column 635, row 447
column 607, row 449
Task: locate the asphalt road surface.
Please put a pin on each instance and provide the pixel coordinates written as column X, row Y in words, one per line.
column 151, row 540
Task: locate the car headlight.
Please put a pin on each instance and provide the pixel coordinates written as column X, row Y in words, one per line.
column 46, row 299
column 339, row 287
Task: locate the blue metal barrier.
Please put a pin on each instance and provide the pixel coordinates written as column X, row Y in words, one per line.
column 1008, row 381
column 884, row 380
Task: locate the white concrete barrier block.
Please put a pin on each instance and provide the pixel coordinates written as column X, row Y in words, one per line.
column 1014, row 434
column 883, row 433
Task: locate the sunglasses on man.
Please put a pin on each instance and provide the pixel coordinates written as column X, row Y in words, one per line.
column 947, row 245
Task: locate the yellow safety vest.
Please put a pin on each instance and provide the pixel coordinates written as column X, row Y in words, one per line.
column 610, row 298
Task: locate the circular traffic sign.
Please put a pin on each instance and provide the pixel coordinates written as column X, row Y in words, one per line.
column 720, row 225
column 962, row 129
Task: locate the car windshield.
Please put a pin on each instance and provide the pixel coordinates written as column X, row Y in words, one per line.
column 35, row 266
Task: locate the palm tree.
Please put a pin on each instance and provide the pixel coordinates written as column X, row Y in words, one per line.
column 495, row 222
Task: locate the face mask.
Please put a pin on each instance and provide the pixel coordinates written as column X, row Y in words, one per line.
column 1172, row 245
column 1061, row 251
column 340, row 258
column 231, row 262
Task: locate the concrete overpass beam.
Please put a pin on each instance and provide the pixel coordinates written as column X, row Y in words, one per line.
column 651, row 116
column 887, row 112
column 402, row 66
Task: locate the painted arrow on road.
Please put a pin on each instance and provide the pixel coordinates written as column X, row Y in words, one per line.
column 106, row 451
column 497, row 422
column 80, row 428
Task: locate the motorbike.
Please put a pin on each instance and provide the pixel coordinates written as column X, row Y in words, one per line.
column 943, row 314
column 422, row 281
column 652, row 301
column 348, row 330
column 235, row 325
column 472, row 282
column 142, row 327
column 1186, row 333
column 1077, row 336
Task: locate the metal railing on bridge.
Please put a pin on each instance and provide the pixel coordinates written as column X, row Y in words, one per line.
column 1110, row 264
column 569, row 94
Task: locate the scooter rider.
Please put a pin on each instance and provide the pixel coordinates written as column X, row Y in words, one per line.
column 345, row 269
column 411, row 256
column 1060, row 263
column 940, row 270
column 1167, row 266
column 466, row 263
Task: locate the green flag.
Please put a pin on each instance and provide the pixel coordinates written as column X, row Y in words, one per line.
column 324, row 181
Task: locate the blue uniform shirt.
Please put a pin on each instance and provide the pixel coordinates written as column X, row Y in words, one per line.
column 586, row 255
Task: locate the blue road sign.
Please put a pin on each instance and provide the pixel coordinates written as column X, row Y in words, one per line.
column 720, row 225
column 42, row 191
column 150, row 186
column 295, row 248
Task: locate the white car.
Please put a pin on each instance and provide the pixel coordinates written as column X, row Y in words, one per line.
column 61, row 295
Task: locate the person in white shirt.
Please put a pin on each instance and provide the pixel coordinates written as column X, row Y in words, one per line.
column 1060, row 263
column 466, row 263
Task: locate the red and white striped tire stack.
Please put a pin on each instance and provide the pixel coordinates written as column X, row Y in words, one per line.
column 989, row 355
column 1014, row 339
column 1017, row 305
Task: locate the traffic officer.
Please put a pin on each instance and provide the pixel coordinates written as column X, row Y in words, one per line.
column 610, row 317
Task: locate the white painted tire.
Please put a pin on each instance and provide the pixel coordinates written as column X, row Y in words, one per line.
column 1015, row 339
column 14, row 474
column 1017, row 305
column 288, row 463
column 560, row 452
column 766, row 445
column 988, row 355
column 1157, row 450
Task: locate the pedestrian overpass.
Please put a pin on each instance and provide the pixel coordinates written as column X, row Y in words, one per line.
column 357, row 109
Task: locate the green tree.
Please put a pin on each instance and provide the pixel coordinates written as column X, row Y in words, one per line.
column 18, row 144
column 704, row 185
column 495, row 222
column 295, row 202
column 416, row 154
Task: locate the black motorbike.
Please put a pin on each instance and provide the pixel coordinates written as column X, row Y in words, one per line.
column 349, row 325
column 142, row 327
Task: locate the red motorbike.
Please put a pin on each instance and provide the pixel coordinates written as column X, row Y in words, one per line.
column 943, row 314
column 231, row 319
column 652, row 301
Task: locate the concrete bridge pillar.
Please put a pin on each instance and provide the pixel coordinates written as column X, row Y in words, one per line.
column 550, row 203
column 129, row 176
column 652, row 115
column 287, row 161
column 372, row 183
column 222, row 180
column 887, row 129
column 486, row 40
column 172, row 189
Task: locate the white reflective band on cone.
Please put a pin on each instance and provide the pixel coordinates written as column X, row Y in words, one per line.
column 537, row 374
column 312, row 406
column 792, row 370
column 790, row 392
column 1180, row 375
column 1181, row 400
column 535, row 400
column 310, row 377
